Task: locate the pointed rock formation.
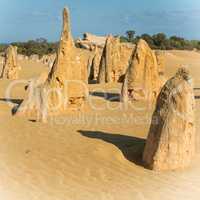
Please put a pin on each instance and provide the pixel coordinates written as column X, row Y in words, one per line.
column 94, row 67
column 65, row 85
column 171, row 140
column 142, row 81
column 114, row 60
column 160, row 56
column 109, row 60
column 11, row 67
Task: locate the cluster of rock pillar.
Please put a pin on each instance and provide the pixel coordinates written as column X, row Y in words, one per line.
column 114, row 60
column 10, row 69
column 171, row 140
column 142, row 80
column 64, row 87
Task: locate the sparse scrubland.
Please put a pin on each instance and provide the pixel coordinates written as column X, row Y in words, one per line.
column 158, row 41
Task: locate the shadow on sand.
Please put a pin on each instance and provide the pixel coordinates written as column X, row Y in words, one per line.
column 196, row 96
column 14, row 101
column 113, row 97
column 131, row 147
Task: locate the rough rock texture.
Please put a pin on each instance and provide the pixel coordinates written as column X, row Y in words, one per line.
column 94, row 65
column 171, row 140
column 11, row 67
column 1, row 63
column 160, row 56
column 95, row 45
column 142, row 81
column 114, row 61
column 65, row 87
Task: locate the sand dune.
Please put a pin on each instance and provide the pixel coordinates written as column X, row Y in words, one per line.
column 94, row 157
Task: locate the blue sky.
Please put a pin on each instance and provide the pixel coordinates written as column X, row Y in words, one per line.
column 22, row 20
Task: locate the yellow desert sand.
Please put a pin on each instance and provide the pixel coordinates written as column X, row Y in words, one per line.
column 97, row 159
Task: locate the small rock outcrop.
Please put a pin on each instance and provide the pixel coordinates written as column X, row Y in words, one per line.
column 10, row 69
column 65, row 86
column 171, row 141
column 91, row 41
column 114, row 61
column 142, row 80
column 35, row 58
column 1, row 63
column 48, row 60
column 160, row 56
column 22, row 57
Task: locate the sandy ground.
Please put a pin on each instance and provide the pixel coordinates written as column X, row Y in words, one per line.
column 93, row 155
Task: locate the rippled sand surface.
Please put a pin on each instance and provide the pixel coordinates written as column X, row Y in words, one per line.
column 93, row 156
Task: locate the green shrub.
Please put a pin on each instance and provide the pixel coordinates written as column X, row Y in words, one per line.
column 161, row 41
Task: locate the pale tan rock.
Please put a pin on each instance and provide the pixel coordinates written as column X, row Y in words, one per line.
column 11, row 67
column 95, row 45
column 91, row 41
column 126, row 51
column 142, row 81
column 160, row 56
column 2, row 59
column 98, row 40
column 21, row 57
column 48, row 60
column 171, row 141
column 114, row 61
column 34, row 58
column 95, row 62
column 65, row 87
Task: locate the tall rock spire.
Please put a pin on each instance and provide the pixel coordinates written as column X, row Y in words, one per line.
column 66, row 32
column 65, row 86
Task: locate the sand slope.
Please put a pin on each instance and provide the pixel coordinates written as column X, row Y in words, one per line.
column 68, row 159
